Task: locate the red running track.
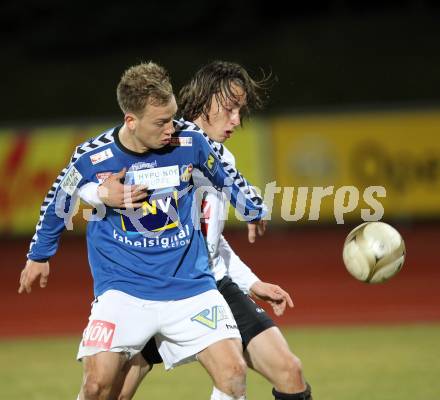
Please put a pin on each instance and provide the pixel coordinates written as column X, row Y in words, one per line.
column 305, row 261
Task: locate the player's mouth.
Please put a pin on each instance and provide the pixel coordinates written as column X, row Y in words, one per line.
column 228, row 134
column 166, row 141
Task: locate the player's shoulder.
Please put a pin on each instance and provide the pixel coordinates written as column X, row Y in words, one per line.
column 186, row 128
column 227, row 155
column 95, row 149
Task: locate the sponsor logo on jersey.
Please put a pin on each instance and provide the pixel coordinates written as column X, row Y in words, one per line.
column 210, row 318
column 186, row 172
column 71, row 180
column 101, row 156
column 102, row 176
column 99, row 334
column 178, row 240
column 181, row 141
column 158, row 213
column 143, row 165
column 211, row 164
column 155, row 178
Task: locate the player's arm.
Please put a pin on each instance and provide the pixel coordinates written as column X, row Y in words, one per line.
column 224, row 176
column 56, row 212
column 113, row 193
column 249, row 283
column 237, row 270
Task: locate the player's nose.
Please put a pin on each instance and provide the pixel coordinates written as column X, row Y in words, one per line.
column 235, row 117
column 169, row 130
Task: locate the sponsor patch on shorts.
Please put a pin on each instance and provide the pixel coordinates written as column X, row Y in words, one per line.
column 99, row 334
column 210, row 318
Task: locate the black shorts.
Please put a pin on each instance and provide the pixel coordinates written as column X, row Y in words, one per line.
column 250, row 317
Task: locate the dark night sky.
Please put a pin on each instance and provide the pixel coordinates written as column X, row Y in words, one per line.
column 63, row 61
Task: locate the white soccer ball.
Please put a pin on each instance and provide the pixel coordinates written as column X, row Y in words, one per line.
column 374, row 252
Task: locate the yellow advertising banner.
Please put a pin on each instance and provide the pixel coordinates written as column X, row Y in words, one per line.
column 311, row 168
column 342, row 157
column 30, row 161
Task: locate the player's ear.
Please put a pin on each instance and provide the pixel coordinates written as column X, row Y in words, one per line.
column 130, row 121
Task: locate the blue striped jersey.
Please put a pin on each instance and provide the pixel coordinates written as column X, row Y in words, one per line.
column 156, row 252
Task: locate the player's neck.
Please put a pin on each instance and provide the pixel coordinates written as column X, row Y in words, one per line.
column 129, row 141
column 200, row 122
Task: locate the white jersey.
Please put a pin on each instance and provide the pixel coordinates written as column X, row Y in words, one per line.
column 214, row 206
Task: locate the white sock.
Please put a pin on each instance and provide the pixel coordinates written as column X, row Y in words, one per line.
column 219, row 395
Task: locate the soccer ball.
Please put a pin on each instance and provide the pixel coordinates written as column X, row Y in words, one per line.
column 374, row 252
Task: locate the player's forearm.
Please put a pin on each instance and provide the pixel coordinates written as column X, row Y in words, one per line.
column 56, row 213
column 44, row 243
column 237, row 270
column 242, row 275
column 242, row 195
column 89, row 194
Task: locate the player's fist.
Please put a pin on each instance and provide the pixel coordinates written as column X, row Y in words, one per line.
column 31, row 271
column 254, row 228
column 277, row 297
column 117, row 195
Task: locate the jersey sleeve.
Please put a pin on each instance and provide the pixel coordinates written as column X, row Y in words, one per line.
column 89, row 194
column 57, row 210
column 237, row 270
column 225, row 177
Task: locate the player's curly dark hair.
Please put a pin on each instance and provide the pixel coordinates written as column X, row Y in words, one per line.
column 141, row 84
column 216, row 79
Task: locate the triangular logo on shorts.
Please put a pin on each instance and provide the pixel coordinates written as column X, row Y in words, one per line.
column 203, row 317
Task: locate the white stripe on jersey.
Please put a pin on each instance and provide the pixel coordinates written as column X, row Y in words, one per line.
column 84, row 148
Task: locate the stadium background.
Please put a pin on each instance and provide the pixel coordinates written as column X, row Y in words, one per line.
column 354, row 101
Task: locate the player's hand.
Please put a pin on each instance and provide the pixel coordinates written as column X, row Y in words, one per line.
column 277, row 297
column 254, row 227
column 117, row 195
column 31, row 272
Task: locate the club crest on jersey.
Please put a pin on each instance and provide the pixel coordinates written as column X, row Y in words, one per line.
column 159, row 213
column 211, row 163
column 181, row 141
column 218, row 313
column 186, row 172
column 101, row 156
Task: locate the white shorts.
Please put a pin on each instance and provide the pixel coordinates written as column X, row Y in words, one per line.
column 183, row 328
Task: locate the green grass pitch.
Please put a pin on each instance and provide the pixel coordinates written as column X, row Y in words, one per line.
column 341, row 363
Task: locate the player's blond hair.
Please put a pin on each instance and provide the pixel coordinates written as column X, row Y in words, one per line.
column 142, row 84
